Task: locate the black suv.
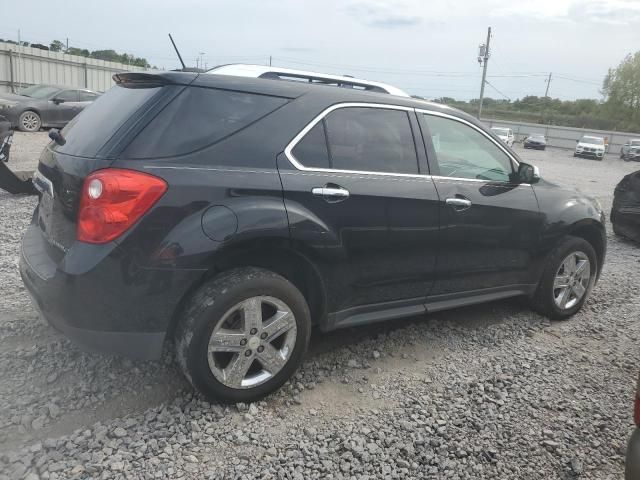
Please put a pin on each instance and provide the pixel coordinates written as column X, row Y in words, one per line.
column 231, row 215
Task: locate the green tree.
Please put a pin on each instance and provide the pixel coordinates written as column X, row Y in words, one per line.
column 56, row 46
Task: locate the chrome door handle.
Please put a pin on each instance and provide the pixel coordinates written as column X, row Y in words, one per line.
column 458, row 203
column 331, row 193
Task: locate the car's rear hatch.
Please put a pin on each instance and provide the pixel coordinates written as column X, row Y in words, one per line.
column 92, row 141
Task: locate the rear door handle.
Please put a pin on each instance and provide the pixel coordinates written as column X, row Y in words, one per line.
column 458, row 204
column 331, row 194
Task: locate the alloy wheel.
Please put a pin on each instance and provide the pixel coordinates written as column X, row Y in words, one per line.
column 252, row 342
column 30, row 121
column 572, row 280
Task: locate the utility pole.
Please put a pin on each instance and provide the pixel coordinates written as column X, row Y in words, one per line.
column 546, row 93
column 67, row 44
column 483, row 59
column 19, row 65
column 270, row 58
column 546, row 99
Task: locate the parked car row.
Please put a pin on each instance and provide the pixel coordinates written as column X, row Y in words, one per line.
column 44, row 106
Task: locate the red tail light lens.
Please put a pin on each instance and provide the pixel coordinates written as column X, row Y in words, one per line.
column 113, row 200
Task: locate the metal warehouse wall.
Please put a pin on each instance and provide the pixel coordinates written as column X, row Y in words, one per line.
column 25, row 66
column 562, row 137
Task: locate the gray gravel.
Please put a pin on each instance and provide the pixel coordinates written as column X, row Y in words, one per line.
column 493, row 391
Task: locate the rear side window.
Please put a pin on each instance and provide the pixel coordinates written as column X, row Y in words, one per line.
column 97, row 123
column 199, row 117
column 371, row 139
column 312, row 151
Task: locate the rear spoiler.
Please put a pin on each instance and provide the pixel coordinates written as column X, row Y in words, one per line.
column 152, row 79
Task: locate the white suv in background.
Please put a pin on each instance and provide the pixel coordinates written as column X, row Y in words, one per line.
column 589, row 146
column 505, row 134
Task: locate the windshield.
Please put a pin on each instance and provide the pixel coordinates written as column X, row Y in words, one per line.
column 536, row 137
column 39, row 91
column 501, row 131
column 592, row 140
column 635, row 143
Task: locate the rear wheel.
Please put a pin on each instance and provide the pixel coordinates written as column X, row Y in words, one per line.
column 29, row 121
column 243, row 335
column 568, row 277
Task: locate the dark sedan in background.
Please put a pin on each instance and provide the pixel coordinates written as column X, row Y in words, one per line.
column 44, row 106
column 539, row 142
column 625, row 213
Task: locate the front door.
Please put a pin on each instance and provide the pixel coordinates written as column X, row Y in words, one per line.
column 64, row 106
column 491, row 225
column 360, row 205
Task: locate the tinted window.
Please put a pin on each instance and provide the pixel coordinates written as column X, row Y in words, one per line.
column 371, row 139
column 463, row 152
column 199, row 117
column 68, row 95
column 87, row 96
column 89, row 131
column 312, row 151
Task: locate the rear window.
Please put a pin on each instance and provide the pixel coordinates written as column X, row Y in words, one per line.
column 199, row 117
column 97, row 123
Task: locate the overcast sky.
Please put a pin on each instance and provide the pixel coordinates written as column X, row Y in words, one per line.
column 427, row 47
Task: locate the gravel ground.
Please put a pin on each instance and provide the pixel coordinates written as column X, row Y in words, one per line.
column 493, row 391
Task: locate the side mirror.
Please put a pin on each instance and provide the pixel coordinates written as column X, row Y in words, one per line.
column 528, row 173
column 577, row 141
column 57, row 101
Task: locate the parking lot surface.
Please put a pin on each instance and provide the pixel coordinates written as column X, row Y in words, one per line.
column 492, row 391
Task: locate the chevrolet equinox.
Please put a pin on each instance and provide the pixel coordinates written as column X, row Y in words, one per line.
column 231, row 215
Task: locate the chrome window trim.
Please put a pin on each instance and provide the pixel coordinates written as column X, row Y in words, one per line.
column 299, row 166
column 475, row 127
column 292, row 144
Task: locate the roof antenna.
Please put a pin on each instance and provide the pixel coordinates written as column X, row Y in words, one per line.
column 177, row 52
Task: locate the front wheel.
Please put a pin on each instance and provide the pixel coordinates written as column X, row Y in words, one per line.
column 243, row 335
column 29, row 121
column 568, row 277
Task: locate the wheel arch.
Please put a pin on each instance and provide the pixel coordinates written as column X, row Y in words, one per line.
column 594, row 233
column 276, row 256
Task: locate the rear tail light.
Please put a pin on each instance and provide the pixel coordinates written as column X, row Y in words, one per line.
column 113, row 200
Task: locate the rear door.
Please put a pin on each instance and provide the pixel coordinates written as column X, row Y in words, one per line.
column 491, row 225
column 361, row 203
column 64, row 107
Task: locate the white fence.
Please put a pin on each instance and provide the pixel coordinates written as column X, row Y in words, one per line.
column 562, row 137
column 25, row 66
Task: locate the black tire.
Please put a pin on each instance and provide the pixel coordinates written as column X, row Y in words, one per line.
column 543, row 300
column 206, row 309
column 29, row 121
column 575, row 154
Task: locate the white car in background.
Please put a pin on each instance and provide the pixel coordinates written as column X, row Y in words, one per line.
column 505, row 134
column 588, row 146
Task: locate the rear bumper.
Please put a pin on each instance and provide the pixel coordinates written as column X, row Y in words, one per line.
column 99, row 299
column 632, row 462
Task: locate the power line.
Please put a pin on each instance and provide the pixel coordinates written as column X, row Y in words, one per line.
column 491, row 85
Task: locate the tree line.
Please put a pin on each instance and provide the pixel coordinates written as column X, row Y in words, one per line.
column 107, row 55
column 617, row 110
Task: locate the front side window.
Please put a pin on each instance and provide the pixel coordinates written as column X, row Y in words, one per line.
column 464, row 152
column 371, row 140
column 68, row 96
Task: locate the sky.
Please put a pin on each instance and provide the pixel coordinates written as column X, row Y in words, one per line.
column 426, row 47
